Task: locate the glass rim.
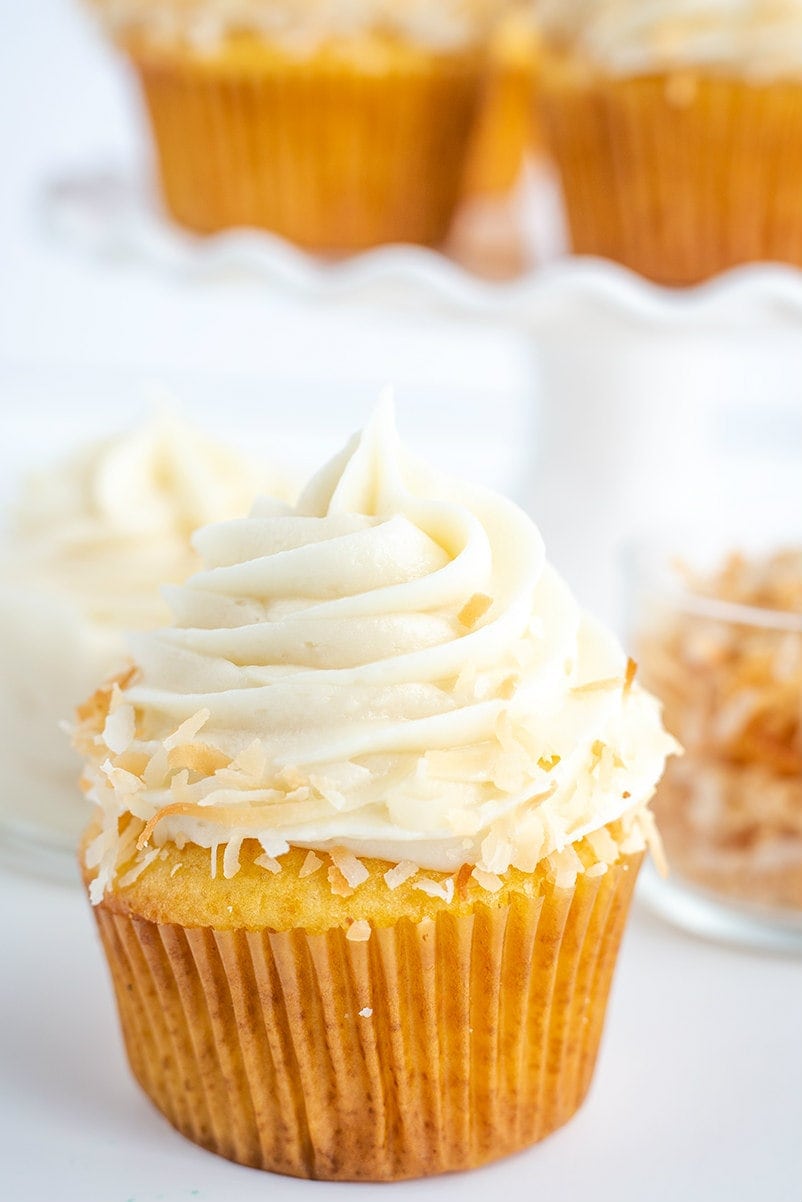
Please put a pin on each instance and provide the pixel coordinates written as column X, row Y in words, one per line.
column 649, row 566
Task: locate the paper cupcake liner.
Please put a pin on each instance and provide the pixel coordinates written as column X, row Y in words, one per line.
column 506, row 132
column 677, row 176
column 324, row 153
column 430, row 1047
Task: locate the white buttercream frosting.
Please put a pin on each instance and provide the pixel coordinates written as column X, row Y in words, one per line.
column 90, row 541
column 392, row 667
column 443, row 24
column 755, row 37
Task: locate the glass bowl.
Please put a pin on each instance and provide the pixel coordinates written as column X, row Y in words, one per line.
column 729, row 809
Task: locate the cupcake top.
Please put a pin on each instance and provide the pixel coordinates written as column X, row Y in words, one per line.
column 756, row 37
column 104, row 529
column 390, row 668
column 444, row 24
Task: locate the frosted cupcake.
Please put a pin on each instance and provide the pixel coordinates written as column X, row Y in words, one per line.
column 368, row 819
column 506, row 132
column 339, row 124
column 89, row 542
column 676, row 127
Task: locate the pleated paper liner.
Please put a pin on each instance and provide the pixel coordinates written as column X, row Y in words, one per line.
column 432, row 1046
column 679, row 176
column 334, row 151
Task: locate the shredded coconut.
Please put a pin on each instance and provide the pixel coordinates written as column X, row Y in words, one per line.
column 359, row 931
column 442, row 889
column 119, row 728
column 310, row 865
column 366, row 1012
column 143, row 861
column 186, row 732
column 268, row 862
column 400, row 873
column 488, row 880
column 352, row 869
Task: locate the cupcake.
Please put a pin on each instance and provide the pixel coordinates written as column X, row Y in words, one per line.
column 368, row 818
column 676, row 126
column 506, row 131
column 88, row 544
column 338, row 125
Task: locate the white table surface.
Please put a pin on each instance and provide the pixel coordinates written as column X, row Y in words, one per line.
column 698, row 1094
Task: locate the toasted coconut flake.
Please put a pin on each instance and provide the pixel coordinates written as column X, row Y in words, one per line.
column 157, row 769
column 596, row 686
column 268, row 862
column 444, row 890
column 176, row 868
column 188, row 729
column 400, row 873
column 596, row 870
column 359, row 931
column 231, row 858
column 488, row 880
column 629, row 675
column 92, row 712
column 119, row 728
column 547, row 763
column 566, row 866
column 142, row 862
column 604, row 845
column 311, row 864
column 366, row 1012
column 461, row 879
column 123, row 782
column 197, row 757
column 474, row 610
column 252, row 761
column 337, row 882
column 351, row 868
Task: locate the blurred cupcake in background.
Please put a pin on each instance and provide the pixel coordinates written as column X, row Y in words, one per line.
column 676, row 126
column 338, row 124
column 88, row 545
column 506, row 132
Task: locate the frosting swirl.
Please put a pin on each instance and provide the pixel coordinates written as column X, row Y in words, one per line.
column 758, row 37
column 390, row 667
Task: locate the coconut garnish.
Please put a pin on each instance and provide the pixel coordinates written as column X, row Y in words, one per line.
column 596, row 686
column 444, row 890
column 400, row 873
column 197, row 757
column 489, row 881
column 186, row 732
column 119, row 727
column 143, row 861
column 353, row 870
column 359, row 931
column 311, row 864
column 268, row 862
column 337, row 882
column 474, row 610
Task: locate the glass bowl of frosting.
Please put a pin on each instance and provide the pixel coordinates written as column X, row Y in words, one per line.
column 87, row 542
column 722, row 649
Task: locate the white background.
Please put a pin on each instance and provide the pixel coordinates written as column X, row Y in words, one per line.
column 699, row 1089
